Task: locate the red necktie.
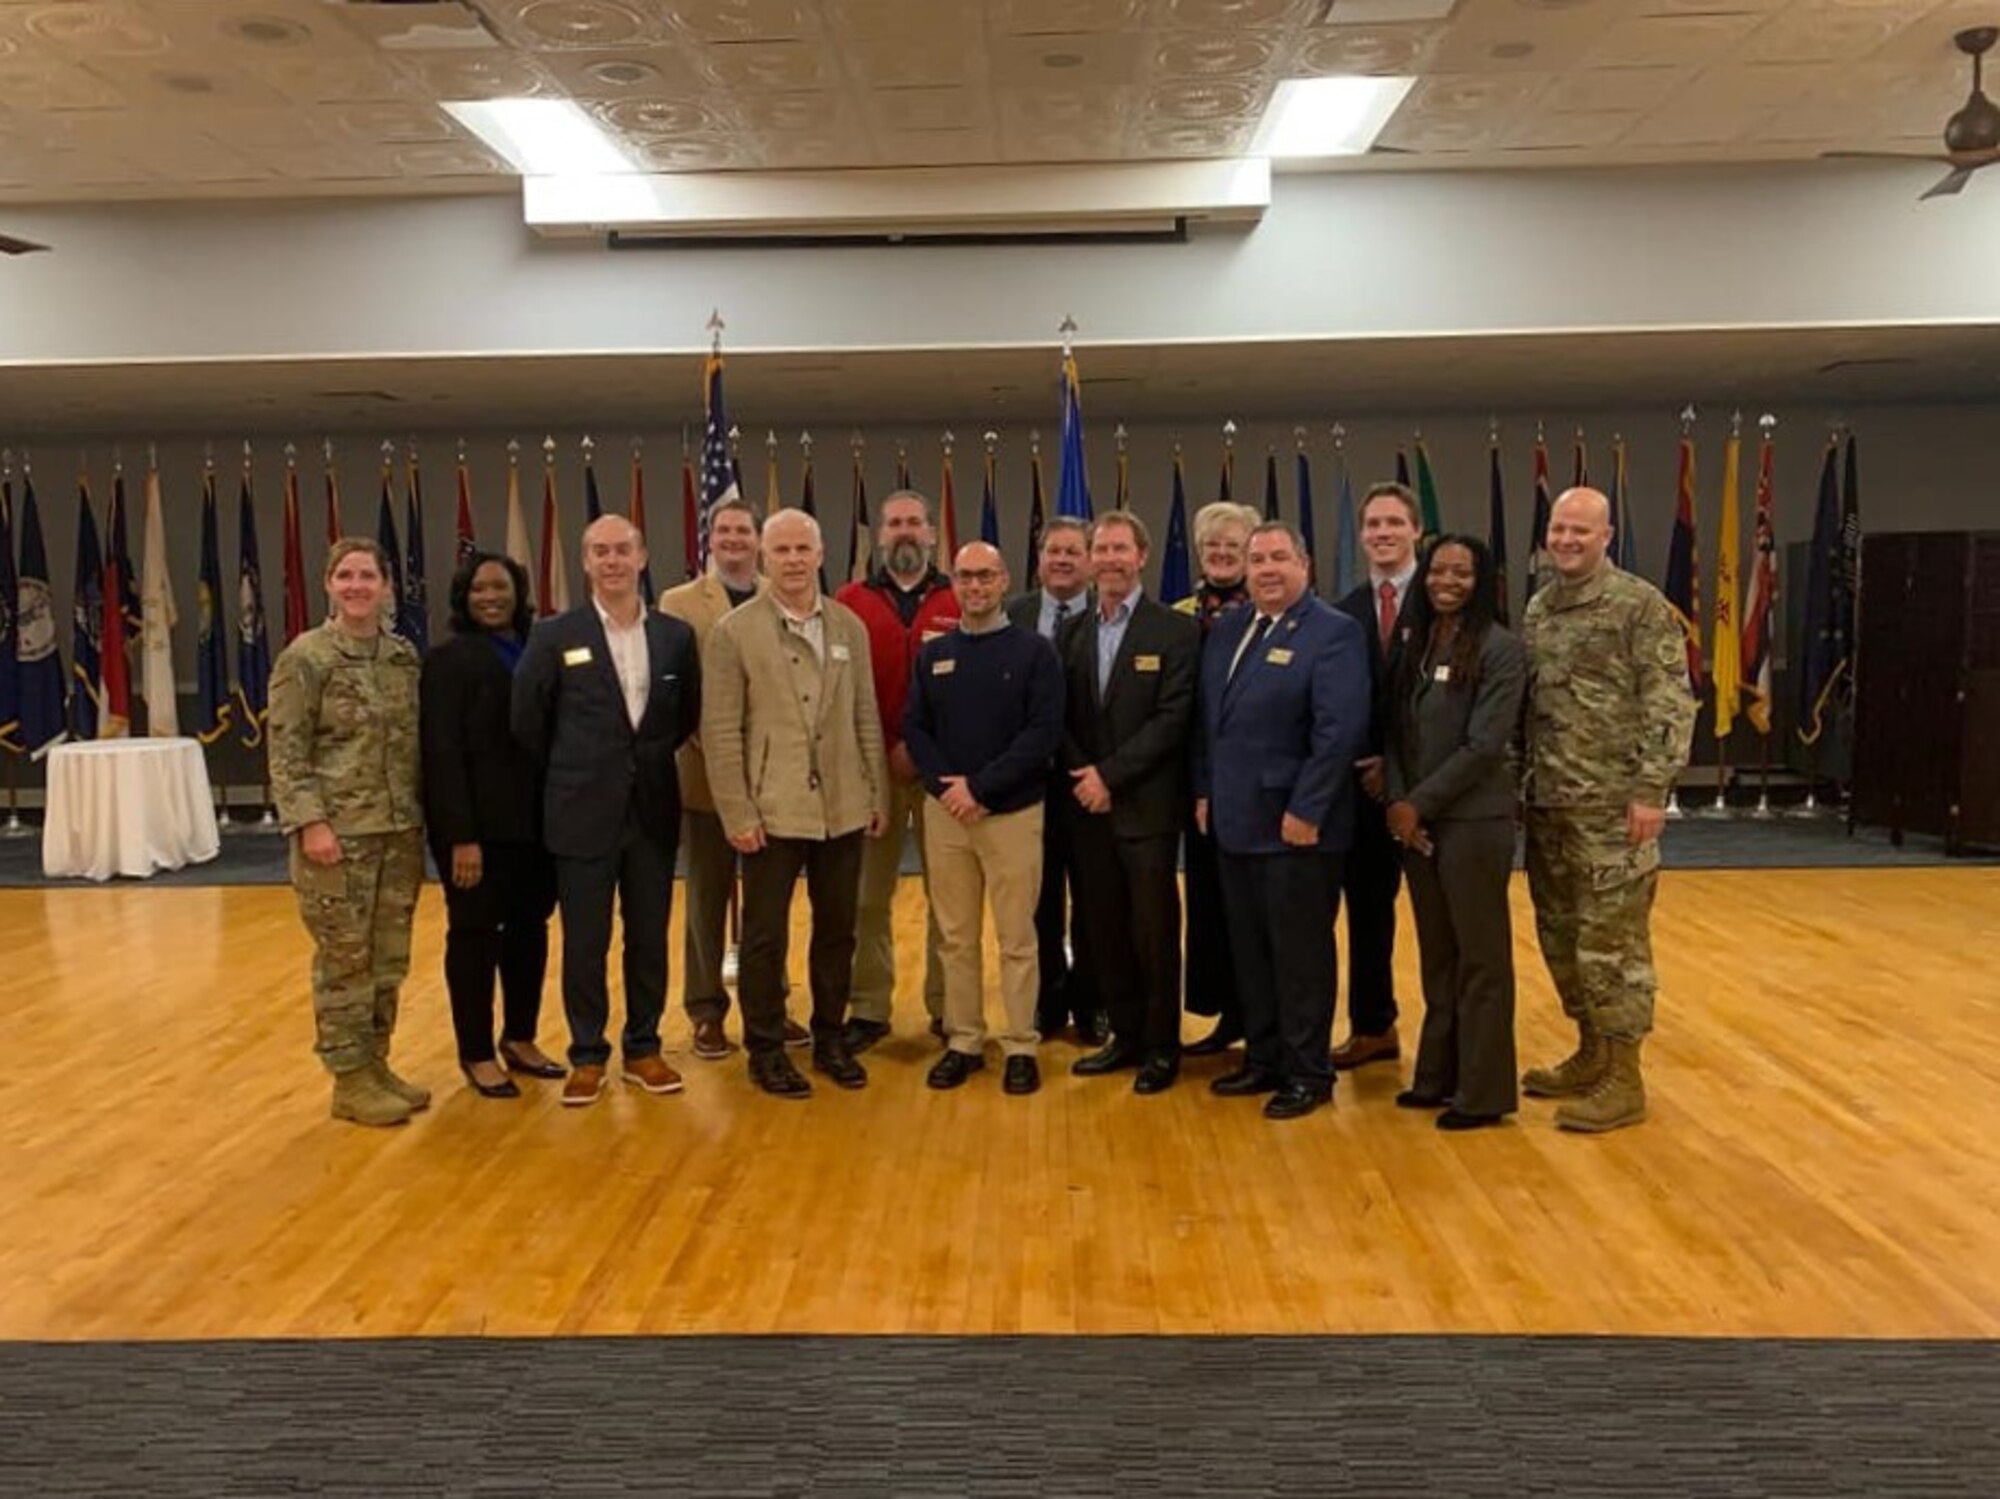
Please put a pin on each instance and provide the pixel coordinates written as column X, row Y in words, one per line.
column 1387, row 620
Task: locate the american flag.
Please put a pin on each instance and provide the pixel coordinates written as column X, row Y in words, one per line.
column 718, row 474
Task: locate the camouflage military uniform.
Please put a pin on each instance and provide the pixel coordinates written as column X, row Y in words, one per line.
column 1608, row 724
column 343, row 751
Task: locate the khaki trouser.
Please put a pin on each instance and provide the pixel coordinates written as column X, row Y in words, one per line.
column 358, row 912
column 875, row 937
column 998, row 861
column 1593, row 896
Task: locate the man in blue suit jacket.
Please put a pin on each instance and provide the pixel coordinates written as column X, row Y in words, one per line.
column 603, row 698
column 1284, row 715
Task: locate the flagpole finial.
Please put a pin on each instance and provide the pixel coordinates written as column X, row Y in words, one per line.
column 388, row 454
column 857, row 442
column 1736, row 424
column 589, row 446
column 152, row 456
column 513, row 451
column 684, row 442
column 806, row 442
column 246, row 455
column 117, row 459
column 992, row 441
column 1769, row 424
column 948, row 439
column 1066, row 329
column 1493, row 430
column 1035, row 441
column 638, row 446
column 1541, row 434
column 715, row 327
column 207, row 457
column 1299, row 438
column 291, row 455
column 1120, row 436
column 1338, row 431
column 1687, row 418
column 549, row 450
column 771, row 441
column 902, row 451
column 1229, row 433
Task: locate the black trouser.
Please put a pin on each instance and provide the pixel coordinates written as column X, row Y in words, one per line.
column 1466, row 938
column 500, row 925
column 1132, row 905
column 1211, row 966
column 1370, row 879
column 1281, row 912
column 833, row 886
column 1066, row 992
column 640, row 875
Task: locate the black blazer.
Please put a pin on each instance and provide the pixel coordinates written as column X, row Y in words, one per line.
column 569, row 713
column 1136, row 732
column 1450, row 751
column 1359, row 606
column 480, row 785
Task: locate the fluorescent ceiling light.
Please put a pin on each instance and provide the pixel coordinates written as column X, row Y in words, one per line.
column 542, row 137
column 1328, row 116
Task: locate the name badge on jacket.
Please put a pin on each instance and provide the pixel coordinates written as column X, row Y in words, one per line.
column 838, row 652
column 944, row 667
column 1145, row 663
column 1279, row 655
column 577, row 655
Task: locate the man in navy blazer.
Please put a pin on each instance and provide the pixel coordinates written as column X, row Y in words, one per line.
column 603, row 698
column 1284, row 715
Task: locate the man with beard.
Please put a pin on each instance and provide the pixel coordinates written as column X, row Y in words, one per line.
column 905, row 603
column 1065, row 991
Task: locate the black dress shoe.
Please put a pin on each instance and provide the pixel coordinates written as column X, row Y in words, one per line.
column 859, row 1035
column 1410, row 1098
column 1295, row 1101
column 775, row 1074
column 1225, row 1035
column 513, row 1061
column 1092, row 1031
column 1245, row 1082
column 834, row 1060
column 505, row 1088
column 1113, row 1058
column 1157, row 1075
column 1453, row 1119
column 1022, row 1076
column 953, row 1068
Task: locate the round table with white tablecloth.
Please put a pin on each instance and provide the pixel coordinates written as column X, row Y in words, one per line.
column 127, row 806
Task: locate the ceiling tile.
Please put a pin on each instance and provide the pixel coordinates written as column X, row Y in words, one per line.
column 1369, row 49
column 1665, row 41
column 925, row 109
column 1726, row 104
column 95, row 28
column 627, row 72
column 1082, row 61
column 1208, row 99
column 784, row 65
column 1229, row 15
column 1039, row 17
column 578, row 25
column 35, row 83
column 911, row 61
column 338, row 80
column 890, row 20
column 1617, row 90
column 1821, row 35
column 743, row 20
column 482, row 75
column 1214, row 54
column 660, row 116
column 180, row 81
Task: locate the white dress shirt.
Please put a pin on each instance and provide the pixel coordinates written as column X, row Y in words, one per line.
column 629, row 659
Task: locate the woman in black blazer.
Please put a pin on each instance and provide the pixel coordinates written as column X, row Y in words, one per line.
column 482, row 809
column 1455, row 706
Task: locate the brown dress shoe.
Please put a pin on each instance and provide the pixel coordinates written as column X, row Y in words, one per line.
column 710, row 1043
column 652, row 1074
column 796, row 1034
column 1359, row 1051
column 585, row 1087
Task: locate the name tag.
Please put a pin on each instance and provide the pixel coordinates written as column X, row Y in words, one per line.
column 577, row 656
column 1442, row 674
column 838, row 652
column 944, row 667
column 1145, row 663
column 1279, row 655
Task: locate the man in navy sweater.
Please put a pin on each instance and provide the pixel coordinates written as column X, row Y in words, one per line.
column 983, row 719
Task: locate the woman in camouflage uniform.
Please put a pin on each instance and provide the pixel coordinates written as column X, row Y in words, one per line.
column 344, row 773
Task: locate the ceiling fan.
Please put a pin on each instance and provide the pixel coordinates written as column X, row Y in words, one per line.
column 12, row 246
column 1972, row 135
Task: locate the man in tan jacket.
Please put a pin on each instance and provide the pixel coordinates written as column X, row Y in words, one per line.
column 796, row 767
column 730, row 582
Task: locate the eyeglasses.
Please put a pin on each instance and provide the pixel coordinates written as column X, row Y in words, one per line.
column 976, row 575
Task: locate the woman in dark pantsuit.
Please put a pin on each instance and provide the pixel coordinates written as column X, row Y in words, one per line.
column 482, row 811
column 1456, row 704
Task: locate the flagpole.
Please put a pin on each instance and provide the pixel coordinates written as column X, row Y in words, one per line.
column 13, row 827
column 1674, row 808
column 1811, row 807
column 1720, row 806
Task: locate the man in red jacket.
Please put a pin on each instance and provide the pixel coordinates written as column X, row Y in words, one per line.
column 904, row 603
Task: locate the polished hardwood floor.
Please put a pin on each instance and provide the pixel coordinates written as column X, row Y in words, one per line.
column 1820, row 1160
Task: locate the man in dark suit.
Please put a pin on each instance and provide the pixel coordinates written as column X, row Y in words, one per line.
column 1284, row 713
column 1065, row 990
column 1129, row 681
column 604, row 697
column 1390, row 527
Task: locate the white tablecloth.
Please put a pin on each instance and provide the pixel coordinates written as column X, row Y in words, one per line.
column 127, row 806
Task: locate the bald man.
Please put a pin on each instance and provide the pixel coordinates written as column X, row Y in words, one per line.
column 982, row 723
column 603, row 698
column 1609, row 722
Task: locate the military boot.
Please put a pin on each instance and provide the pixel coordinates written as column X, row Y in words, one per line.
column 1618, row 1099
column 1574, row 1074
column 361, row 1096
column 416, row 1097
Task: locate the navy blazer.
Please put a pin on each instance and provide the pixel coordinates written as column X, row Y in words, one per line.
column 569, row 714
column 1283, row 734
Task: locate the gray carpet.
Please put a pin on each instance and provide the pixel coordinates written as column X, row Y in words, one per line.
column 1502, row 1417
column 1691, row 843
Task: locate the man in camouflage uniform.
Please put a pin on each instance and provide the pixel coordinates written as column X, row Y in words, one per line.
column 344, row 768
column 1608, row 727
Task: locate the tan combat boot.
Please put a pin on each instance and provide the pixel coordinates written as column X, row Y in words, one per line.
column 1574, row 1074
column 413, row 1094
column 361, row 1096
column 1618, row 1099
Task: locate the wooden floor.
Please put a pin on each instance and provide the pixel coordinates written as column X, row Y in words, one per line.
column 1821, row 1159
